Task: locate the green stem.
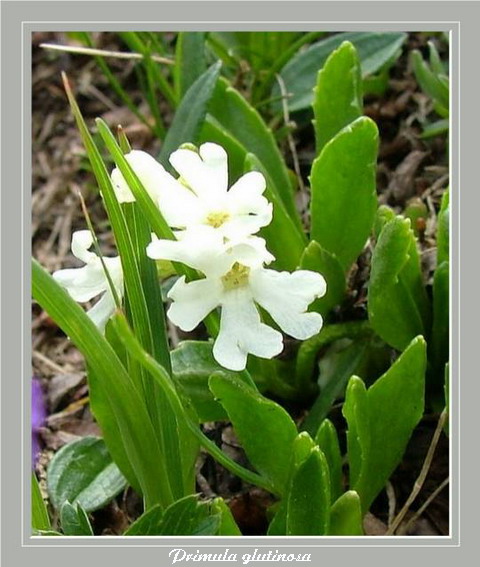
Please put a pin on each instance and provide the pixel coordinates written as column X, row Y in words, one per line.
column 161, row 377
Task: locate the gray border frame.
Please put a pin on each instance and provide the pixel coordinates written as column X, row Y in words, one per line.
column 15, row 174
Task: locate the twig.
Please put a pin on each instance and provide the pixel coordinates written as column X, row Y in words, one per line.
column 392, row 501
column 104, row 53
column 291, row 143
column 421, row 477
column 42, row 358
column 425, row 505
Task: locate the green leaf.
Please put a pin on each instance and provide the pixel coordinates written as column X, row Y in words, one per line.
column 338, row 94
column 149, row 209
column 308, row 500
column 317, row 259
column 83, row 472
column 193, row 364
column 346, row 516
column 40, row 519
column 336, row 367
column 189, row 60
column 148, row 524
column 116, row 403
column 183, row 409
column 344, row 200
column 309, row 349
column 74, row 520
column 300, row 73
column 183, row 517
column 191, row 113
column 429, row 82
column 384, row 214
column 186, row 516
column 228, row 525
column 264, row 428
column 439, row 345
column 284, row 239
column 327, row 440
column 171, row 434
column 443, row 230
column 436, row 128
column 398, row 306
column 381, row 420
column 446, row 390
column 141, row 235
column 233, row 114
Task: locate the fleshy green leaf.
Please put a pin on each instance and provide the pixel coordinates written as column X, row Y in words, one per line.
column 384, row 214
column 308, row 499
column 193, row 364
column 233, row 114
column 83, row 472
column 436, row 128
column 338, row 94
column 398, row 306
column 228, row 526
column 382, row 419
column 317, row 259
column 443, row 230
column 327, row 440
column 191, row 113
column 148, row 524
column 343, row 182
column 430, row 83
column 186, row 517
column 441, row 321
column 40, row 519
column 283, row 237
column 189, row 60
column 346, row 515
column 300, row 73
column 74, row 520
column 264, row 428
column 336, row 367
column 115, row 401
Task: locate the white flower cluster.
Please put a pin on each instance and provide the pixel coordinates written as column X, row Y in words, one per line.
column 215, row 228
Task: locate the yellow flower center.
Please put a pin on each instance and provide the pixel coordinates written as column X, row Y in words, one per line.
column 217, row 218
column 236, row 277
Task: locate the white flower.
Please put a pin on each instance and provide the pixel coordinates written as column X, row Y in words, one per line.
column 237, row 282
column 86, row 283
column 200, row 196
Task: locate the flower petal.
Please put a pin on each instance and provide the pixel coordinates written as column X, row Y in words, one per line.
column 147, row 169
column 101, row 312
column 178, row 204
column 84, row 283
column 193, row 301
column 287, row 296
column 240, row 226
column 206, row 172
column 242, row 332
column 201, row 248
column 251, row 251
column 82, row 240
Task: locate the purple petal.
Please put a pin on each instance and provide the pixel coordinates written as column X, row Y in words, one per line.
column 39, row 414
